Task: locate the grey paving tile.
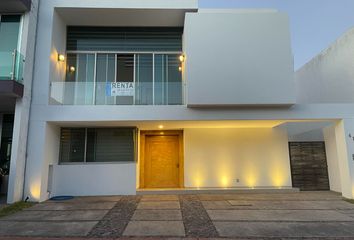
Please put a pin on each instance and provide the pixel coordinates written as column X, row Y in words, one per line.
column 279, row 229
column 153, row 215
column 155, row 228
column 295, row 196
column 72, row 206
column 159, row 205
column 47, row 229
column 267, row 204
column 75, row 215
column 277, row 215
column 159, row 198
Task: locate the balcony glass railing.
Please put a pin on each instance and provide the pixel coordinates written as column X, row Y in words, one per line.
column 105, row 78
column 11, row 66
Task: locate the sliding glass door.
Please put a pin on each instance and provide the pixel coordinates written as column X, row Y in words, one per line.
column 121, row 79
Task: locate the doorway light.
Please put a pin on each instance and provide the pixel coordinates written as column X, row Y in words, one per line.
column 61, row 58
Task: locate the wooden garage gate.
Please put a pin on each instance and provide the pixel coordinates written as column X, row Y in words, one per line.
column 309, row 165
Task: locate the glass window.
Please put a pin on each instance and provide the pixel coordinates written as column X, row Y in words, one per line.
column 97, row 145
column 168, row 80
column 72, row 145
column 144, row 79
column 9, row 31
column 125, row 73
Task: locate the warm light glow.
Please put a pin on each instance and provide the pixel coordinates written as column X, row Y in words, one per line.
column 251, row 180
column 181, row 58
column 161, row 126
column 278, row 178
column 180, row 68
column 35, row 191
column 224, row 181
column 61, row 58
column 72, row 69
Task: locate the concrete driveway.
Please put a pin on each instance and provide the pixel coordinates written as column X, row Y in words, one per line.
column 239, row 215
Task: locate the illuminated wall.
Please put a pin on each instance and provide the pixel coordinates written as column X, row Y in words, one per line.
column 218, row 157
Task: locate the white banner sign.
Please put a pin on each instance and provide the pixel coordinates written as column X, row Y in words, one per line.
column 120, row 89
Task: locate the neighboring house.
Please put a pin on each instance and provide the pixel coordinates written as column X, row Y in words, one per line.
column 18, row 20
column 142, row 96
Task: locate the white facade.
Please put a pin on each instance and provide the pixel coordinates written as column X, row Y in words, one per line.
column 240, row 93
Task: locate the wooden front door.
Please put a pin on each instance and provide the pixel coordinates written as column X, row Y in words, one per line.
column 162, row 161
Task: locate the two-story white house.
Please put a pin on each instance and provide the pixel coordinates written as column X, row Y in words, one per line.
column 140, row 96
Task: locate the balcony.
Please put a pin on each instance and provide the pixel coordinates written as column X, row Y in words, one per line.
column 11, row 71
column 120, row 78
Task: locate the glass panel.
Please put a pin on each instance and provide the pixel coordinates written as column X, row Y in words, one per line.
column 105, row 73
column 125, row 73
column 80, row 79
column 143, row 79
column 110, row 145
column 114, row 72
column 72, row 145
column 9, row 31
column 168, row 80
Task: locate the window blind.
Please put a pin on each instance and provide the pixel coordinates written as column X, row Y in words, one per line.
column 124, row 38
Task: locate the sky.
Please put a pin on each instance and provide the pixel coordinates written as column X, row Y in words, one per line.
column 314, row 24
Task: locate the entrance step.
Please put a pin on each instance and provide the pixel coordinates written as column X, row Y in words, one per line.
column 154, row 191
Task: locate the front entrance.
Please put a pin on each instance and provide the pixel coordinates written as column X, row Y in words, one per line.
column 161, row 164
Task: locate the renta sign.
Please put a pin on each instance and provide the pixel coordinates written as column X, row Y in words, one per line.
column 120, row 89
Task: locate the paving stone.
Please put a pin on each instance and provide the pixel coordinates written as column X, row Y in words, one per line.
column 159, row 205
column 116, row 220
column 159, row 198
column 71, row 206
column 76, row 215
column 295, row 196
column 277, row 215
column 196, row 220
column 320, row 205
column 153, row 215
column 281, row 229
column 47, row 229
column 155, row 228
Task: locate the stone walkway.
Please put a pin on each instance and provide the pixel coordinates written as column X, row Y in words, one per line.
column 239, row 215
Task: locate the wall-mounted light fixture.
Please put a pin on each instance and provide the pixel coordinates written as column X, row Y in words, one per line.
column 181, row 58
column 161, row 126
column 72, row 69
column 61, row 57
column 180, row 68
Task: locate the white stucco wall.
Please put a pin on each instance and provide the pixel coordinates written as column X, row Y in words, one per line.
column 334, row 174
column 329, row 77
column 238, row 58
column 22, row 110
column 217, row 157
column 94, row 179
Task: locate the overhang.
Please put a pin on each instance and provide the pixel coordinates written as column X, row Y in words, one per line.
column 15, row 6
column 10, row 88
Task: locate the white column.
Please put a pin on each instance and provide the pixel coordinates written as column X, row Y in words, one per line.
column 340, row 145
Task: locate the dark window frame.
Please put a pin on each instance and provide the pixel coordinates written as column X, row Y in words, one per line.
column 84, row 162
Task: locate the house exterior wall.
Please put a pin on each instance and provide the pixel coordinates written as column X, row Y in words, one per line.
column 22, row 108
column 236, row 158
column 329, row 77
column 94, row 179
column 238, row 58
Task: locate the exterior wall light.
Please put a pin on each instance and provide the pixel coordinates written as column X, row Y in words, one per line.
column 61, row 58
column 181, row 58
column 72, row 69
column 180, row 68
column 161, row 126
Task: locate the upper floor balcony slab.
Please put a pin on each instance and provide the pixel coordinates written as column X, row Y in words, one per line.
column 15, row 6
